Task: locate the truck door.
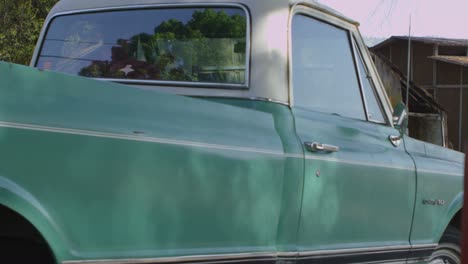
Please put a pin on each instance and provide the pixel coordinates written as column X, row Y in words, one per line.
column 359, row 188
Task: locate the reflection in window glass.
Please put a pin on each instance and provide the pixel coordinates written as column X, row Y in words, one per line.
column 374, row 111
column 183, row 44
column 324, row 74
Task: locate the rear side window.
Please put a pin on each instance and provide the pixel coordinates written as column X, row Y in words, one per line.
column 199, row 45
column 324, row 74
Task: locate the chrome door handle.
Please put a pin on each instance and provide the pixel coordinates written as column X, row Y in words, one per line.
column 319, row 147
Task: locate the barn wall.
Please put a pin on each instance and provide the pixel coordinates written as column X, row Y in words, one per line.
column 449, row 98
column 448, row 73
column 465, row 118
column 385, row 51
column 390, row 81
column 465, row 75
column 422, row 64
column 400, row 55
column 452, row 51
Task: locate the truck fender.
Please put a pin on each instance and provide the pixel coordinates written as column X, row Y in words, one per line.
column 454, row 207
column 25, row 204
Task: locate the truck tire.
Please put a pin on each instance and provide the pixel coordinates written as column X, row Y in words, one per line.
column 449, row 249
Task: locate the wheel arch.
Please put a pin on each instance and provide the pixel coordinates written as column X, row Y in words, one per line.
column 457, row 220
column 26, row 206
column 453, row 215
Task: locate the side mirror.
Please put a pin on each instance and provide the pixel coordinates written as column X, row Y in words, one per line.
column 400, row 118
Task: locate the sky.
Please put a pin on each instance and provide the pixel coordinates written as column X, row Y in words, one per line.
column 384, row 18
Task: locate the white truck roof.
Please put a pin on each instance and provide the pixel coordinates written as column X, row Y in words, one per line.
column 269, row 38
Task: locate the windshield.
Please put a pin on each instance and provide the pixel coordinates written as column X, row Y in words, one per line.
column 206, row 45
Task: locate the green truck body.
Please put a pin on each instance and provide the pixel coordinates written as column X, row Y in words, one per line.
column 120, row 173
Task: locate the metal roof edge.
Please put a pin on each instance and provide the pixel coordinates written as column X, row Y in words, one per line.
column 383, row 43
column 427, row 40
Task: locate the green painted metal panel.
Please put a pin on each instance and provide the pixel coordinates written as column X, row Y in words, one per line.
column 126, row 172
column 15, row 197
column 109, row 171
column 440, row 177
column 293, row 169
column 362, row 195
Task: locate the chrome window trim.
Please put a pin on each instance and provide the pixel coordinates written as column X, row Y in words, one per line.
column 358, row 55
column 244, row 86
column 261, row 99
column 174, row 83
column 359, row 74
column 444, row 136
column 379, row 86
column 306, row 10
column 303, row 8
column 300, row 9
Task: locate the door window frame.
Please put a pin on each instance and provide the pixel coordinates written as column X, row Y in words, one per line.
column 356, row 46
column 357, row 58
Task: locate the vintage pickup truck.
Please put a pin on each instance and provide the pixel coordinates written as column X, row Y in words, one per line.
column 236, row 131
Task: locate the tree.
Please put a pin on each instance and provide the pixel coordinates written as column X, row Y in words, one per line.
column 20, row 25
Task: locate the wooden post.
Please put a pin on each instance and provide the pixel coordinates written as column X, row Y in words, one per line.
column 465, row 215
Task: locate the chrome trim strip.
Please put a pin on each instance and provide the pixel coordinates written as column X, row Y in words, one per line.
column 289, row 155
column 175, row 83
column 261, row 256
column 197, row 258
column 197, row 144
column 442, row 172
column 369, row 164
column 240, row 98
column 425, row 246
column 416, row 261
column 139, row 138
column 287, row 254
column 399, row 261
column 353, row 251
column 396, row 261
column 246, row 84
column 420, row 247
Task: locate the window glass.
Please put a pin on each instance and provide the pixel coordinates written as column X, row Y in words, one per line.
column 374, row 110
column 179, row 44
column 324, row 74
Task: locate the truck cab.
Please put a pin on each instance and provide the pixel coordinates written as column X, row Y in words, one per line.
column 212, row 132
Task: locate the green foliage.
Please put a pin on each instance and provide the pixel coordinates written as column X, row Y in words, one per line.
column 20, row 25
column 204, row 41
